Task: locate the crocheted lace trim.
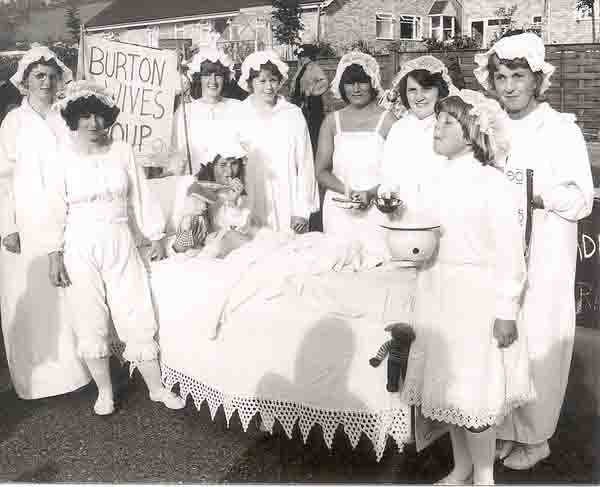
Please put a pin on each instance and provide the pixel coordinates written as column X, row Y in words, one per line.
column 375, row 425
column 461, row 418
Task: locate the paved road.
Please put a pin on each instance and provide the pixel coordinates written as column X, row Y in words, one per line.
column 60, row 439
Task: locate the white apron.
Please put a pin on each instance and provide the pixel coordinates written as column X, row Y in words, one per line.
column 357, row 163
column 39, row 342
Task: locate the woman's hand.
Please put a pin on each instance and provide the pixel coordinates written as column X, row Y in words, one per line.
column 364, row 197
column 58, row 272
column 157, row 250
column 12, row 243
column 505, row 332
column 299, row 224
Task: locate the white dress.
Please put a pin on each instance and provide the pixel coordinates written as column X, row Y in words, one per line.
column 39, row 342
column 552, row 145
column 206, row 122
column 356, row 162
column 280, row 173
column 456, row 372
column 408, row 156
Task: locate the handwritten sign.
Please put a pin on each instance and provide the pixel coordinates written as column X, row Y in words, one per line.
column 587, row 276
column 518, row 179
column 143, row 82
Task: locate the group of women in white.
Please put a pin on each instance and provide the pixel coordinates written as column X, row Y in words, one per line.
column 494, row 328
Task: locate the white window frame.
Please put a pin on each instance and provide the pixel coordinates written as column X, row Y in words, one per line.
column 533, row 21
column 380, row 18
column 152, row 35
column 417, row 23
column 441, row 27
column 179, row 30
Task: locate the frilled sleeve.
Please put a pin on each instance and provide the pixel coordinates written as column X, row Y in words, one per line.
column 145, row 214
column 571, row 194
column 305, row 197
column 8, row 158
column 56, row 199
column 506, row 235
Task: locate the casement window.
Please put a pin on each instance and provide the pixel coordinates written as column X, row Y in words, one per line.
column 178, row 31
column 384, row 25
column 443, row 27
column 410, row 27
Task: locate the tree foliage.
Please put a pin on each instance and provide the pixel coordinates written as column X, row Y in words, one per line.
column 287, row 21
column 73, row 20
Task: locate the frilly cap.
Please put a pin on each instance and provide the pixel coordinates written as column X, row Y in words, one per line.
column 226, row 146
column 84, row 89
column 492, row 120
column 391, row 100
column 209, row 54
column 35, row 54
column 366, row 61
column 255, row 61
column 528, row 46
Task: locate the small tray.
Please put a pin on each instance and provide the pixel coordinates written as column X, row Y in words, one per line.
column 346, row 204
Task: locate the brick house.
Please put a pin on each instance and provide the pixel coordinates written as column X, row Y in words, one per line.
column 242, row 26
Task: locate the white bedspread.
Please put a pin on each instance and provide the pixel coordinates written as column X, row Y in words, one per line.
column 295, row 336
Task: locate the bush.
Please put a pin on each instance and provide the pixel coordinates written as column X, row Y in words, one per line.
column 457, row 43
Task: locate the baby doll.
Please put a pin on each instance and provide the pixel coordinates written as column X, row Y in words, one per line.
column 194, row 224
column 397, row 348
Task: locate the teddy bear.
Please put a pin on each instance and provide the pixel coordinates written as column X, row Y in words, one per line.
column 398, row 349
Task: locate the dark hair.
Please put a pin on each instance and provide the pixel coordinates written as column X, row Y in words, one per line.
column 268, row 66
column 517, row 63
column 207, row 172
column 84, row 107
column 208, row 67
column 459, row 109
column 426, row 80
column 355, row 74
column 41, row 62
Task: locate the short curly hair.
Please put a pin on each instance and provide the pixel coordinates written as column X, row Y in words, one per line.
column 86, row 106
column 459, row 109
column 427, row 80
column 355, row 73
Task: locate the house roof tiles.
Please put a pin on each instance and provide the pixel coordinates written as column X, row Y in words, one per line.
column 139, row 11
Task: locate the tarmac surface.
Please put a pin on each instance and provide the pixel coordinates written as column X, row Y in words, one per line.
column 59, row 439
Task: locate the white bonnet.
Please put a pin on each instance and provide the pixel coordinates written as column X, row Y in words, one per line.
column 366, row 61
column 257, row 59
column 209, row 54
column 84, row 89
column 35, row 54
column 528, row 46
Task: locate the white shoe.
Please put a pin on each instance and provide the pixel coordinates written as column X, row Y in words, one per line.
column 527, row 456
column 452, row 480
column 504, row 448
column 104, row 405
column 168, row 398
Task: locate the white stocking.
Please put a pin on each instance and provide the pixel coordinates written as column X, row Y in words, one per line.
column 463, row 466
column 482, row 447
